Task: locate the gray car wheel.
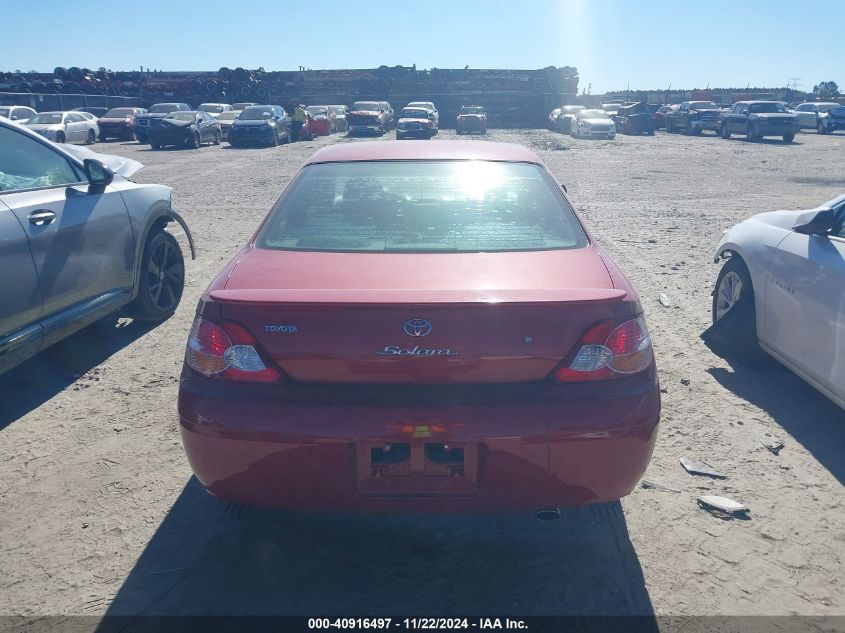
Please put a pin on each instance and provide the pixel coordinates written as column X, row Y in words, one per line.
column 161, row 279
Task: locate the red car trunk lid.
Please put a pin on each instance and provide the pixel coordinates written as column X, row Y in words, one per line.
column 428, row 318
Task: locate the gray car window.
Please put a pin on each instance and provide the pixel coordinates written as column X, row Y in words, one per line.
column 26, row 163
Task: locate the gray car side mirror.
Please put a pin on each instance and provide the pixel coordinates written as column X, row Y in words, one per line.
column 99, row 175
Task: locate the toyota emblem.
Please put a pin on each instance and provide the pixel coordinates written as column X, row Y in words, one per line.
column 417, row 327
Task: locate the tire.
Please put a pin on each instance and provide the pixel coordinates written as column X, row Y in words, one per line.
column 195, row 141
column 92, row 137
column 161, row 279
column 60, row 137
column 724, row 132
column 788, row 138
column 736, row 326
column 751, row 133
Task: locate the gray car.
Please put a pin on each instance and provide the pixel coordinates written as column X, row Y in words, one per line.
column 79, row 241
column 757, row 119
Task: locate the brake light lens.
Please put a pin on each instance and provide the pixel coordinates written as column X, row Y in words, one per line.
column 226, row 352
column 606, row 352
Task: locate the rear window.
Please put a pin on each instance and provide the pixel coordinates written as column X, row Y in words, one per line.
column 160, row 108
column 119, row 113
column 422, row 207
column 366, row 106
column 767, row 108
column 256, row 113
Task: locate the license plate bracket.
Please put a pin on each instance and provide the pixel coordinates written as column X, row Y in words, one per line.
column 417, row 469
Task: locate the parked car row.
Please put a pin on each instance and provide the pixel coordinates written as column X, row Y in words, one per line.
column 753, row 119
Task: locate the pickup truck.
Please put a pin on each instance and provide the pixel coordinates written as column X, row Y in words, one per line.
column 692, row 117
column 369, row 117
column 144, row 123
column 756, row 119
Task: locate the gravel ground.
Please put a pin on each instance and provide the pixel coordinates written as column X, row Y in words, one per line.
column 100, row 514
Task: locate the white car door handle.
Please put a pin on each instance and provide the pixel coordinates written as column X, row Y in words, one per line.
column 42, row 217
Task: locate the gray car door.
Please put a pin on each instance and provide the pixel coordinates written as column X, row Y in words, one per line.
column 20, row 296
column 81, row 242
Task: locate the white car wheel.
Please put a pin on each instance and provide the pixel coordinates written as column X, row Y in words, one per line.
column 728, row 294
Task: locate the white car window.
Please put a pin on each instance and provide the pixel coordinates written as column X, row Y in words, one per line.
column 28, row 164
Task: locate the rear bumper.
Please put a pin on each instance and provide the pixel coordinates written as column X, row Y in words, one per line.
column 470, row 126
column 118, row 129
column 262, row 137
column 421, row 133
column 525, row 447
column 768, row 128
column 169, row 137
column 590, row 133
column 704, row 124
column 366, row 129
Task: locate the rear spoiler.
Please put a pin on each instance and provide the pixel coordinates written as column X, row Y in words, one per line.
column 349, row 296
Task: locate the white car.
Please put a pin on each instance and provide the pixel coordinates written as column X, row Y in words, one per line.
column 811, row 115
column 592, row 123
column 566, row 118
column 214, row 109
column 65, row 127
column 784, row 281
column 19, row 114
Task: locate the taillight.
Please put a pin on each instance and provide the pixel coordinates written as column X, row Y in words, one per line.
column 227, row 352
column 606, row 352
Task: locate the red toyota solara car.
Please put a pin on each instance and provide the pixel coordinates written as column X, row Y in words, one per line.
column 420, row 328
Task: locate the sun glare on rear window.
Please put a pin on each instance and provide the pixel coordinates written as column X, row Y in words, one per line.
column 422, row 206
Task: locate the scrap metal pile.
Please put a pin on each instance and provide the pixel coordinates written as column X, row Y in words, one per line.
column 513, row 98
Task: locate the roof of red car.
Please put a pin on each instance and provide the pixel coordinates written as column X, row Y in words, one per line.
column 425, row 150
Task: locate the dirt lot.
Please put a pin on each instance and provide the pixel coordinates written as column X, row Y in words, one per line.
column 100, row 513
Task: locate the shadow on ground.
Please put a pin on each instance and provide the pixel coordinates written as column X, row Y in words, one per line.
column 808, row 416
column 805, row 414
column 34, row 382
column 211, row 559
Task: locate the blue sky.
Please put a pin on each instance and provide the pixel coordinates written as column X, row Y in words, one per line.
column 647, row 43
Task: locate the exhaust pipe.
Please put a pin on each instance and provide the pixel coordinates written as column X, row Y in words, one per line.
column 548, row 514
